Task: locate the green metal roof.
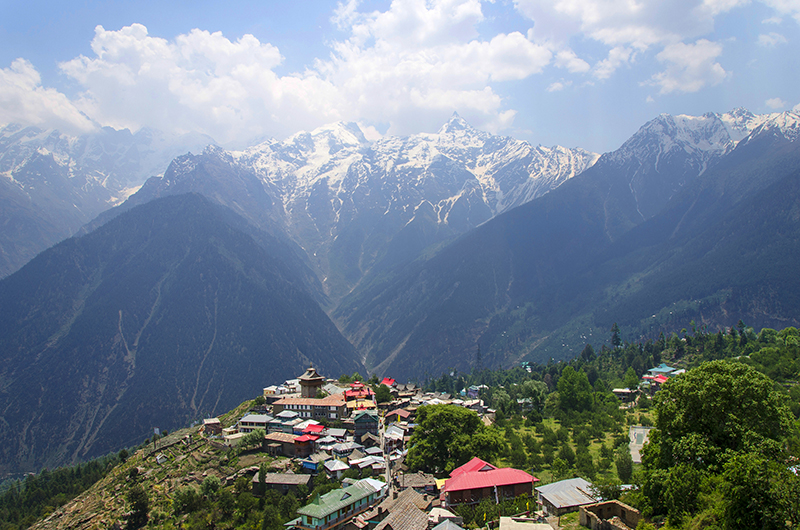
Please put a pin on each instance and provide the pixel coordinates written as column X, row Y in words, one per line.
column 323, row 506
column 371, row 415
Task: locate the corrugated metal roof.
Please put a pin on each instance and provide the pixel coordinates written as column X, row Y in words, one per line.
column 486, row 479
column 473, row 465
column 331, row 502
column 565, row 493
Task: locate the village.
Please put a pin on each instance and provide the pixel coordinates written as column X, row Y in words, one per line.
column 327, row 427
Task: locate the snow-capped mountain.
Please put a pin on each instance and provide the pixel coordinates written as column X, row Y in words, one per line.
column 784, row 125
column 116, row 160
column 358, row 207
column 668, row 152
column 51, row 183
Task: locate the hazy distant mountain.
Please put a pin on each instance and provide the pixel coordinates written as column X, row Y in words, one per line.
column 361, row 208
column 615, row 243
column 168, row 313
column 51, row 184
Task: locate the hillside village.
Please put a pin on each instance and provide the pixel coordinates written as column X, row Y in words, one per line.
column 329, row 428
column 323, row 454
column 312, row 428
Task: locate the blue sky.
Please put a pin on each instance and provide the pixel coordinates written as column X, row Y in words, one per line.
column 578, row 73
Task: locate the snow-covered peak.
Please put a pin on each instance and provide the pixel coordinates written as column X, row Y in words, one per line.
column 709, row 135
column 784, row 124
column 455, row 124
column 458, row 132
column 740, row 122
column 333, row 135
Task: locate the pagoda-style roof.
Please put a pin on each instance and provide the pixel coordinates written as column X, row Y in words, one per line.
column 311, row 375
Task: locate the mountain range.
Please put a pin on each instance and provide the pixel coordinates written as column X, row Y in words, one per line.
column 430, row 253
column 542, row 280
column 359, row 208
column 51, row 184
column 169, row 313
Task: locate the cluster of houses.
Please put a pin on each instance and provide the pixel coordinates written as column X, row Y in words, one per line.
column 332, row 428
column 650, row 383
column 297, row 417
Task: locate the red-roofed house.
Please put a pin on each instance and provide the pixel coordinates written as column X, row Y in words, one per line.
column 475, row 464
column 358, row 390
column 397, row 415
column 304, row 445
column 478, row 480
column 388, row 381
column 314, row 429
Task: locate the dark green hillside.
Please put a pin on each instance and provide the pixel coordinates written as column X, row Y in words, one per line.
column 538, row 281
column 163, row 315
column 436, row 311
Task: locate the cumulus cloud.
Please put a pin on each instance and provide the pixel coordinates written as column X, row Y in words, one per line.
column 771, row 40
column 574, row 64
column 617, row 56
column 622, row 22
column 775, row 103
column 409, row 66
column 786, row 7
column 690, row 67
column 427, row 55
column 629, row 27
column 198, row 81
column 23, row 100
column 558, row 86
column 405, row 67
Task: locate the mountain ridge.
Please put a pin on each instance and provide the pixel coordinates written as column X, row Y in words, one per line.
column 514, row 289
column 164, row 314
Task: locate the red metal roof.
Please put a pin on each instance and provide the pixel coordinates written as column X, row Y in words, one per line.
column 388, row 381
column 364, row 392
column 306, row 438
column 473, row 465
column 661, row 379
column 314, row 428
column 486, row 479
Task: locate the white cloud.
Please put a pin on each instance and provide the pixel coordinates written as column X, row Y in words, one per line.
column 690, row 67
column 771, row 40
column 631, row 23
column 785, row 7
column 370, row 132
column 616, row 57
column 199, row 81
column 427, row 55
column 574, row 64
column 772, row 20
column 23, row 100
column 409, row 66
column 558, row 86
column 775, row 103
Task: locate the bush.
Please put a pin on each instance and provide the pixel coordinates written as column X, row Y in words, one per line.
column 210, row 486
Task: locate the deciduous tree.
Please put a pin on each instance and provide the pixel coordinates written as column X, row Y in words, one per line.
column 448, row 436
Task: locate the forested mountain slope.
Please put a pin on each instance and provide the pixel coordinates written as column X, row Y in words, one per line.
column 166, row 314
column 539, row 280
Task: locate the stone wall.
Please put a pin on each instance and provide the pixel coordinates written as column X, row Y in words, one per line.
column 610, row 515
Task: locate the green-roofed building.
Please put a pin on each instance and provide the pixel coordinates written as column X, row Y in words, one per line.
column 334, row 509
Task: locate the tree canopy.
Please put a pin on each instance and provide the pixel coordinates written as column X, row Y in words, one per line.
column 712, row 412
column 720, row 425
column 448, row 436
